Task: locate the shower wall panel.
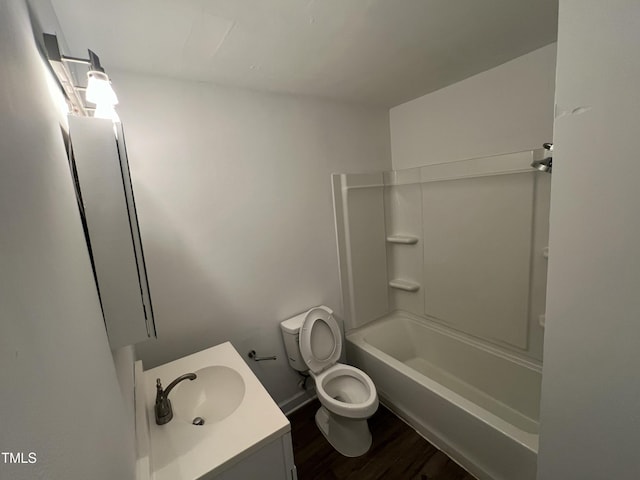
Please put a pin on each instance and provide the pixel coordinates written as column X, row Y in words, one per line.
column 477, row 244
column 480, row 229
column 360, row 229
column 461, row 244
column 403, row 218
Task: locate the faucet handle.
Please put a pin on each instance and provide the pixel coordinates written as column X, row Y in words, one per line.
column 159, row 392
column 162, row 408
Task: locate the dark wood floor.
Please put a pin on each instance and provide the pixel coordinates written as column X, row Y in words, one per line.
column 397, row 452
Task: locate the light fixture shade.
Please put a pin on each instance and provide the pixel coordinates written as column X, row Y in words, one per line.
column 106, row 111
column 99, row 89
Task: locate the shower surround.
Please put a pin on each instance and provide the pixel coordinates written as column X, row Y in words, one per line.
column 443, row 273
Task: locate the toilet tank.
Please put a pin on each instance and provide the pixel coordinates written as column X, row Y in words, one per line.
column 291, row 334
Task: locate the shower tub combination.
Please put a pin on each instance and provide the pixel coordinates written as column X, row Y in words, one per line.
column 443, row 277
column 475, row 402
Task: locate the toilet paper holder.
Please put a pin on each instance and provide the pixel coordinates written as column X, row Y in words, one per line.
column 254, row 356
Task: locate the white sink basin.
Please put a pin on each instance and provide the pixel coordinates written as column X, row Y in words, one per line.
column 240, row 416
column 214, row 395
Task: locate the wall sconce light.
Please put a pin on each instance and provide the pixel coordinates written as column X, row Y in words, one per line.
column 98, row 90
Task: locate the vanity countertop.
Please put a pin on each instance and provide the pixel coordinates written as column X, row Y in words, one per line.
column 181, row 451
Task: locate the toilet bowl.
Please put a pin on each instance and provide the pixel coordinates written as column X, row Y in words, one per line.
column 348, row 396
column 347, row 391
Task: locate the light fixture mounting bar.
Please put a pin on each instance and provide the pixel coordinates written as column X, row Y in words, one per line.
column 84, row 61
column 62, row 73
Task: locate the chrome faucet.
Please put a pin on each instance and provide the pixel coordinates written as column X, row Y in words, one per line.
column 164, row 412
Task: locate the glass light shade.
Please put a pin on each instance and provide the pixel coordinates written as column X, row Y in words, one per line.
column 99, row 89
column 104, row 110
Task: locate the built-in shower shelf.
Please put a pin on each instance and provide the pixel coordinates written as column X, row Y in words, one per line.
column 405, row 285
column 402, row 239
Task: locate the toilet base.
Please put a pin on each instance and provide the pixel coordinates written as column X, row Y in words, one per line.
column 349, row 436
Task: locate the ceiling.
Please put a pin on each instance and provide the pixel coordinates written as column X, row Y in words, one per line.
column 378, row 52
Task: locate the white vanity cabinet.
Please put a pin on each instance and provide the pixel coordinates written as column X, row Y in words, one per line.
column 274, row 461
column 251, row 441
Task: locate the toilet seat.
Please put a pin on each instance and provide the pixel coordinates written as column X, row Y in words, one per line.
column 347, row 391
column 320, row 339
column 342, row 389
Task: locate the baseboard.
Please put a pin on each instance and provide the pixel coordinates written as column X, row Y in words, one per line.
column 299, row 400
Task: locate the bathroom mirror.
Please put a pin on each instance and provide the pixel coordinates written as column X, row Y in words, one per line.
column 100, row 171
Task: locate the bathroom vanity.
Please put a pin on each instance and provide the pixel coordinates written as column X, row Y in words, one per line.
column 244, row 435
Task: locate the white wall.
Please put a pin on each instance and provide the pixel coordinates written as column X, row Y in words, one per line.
column 506, row 109
column 591, row 380
column 233, row 190
column 60, row 396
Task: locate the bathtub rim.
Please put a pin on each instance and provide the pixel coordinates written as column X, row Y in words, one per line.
column 506, row 351
column 522, row 437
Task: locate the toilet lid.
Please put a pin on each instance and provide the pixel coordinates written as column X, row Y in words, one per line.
column 320, row 339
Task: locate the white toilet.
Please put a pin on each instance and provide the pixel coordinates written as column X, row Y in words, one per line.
column 348, row 396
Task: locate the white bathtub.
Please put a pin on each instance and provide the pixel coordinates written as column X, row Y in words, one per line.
column 472, row 401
